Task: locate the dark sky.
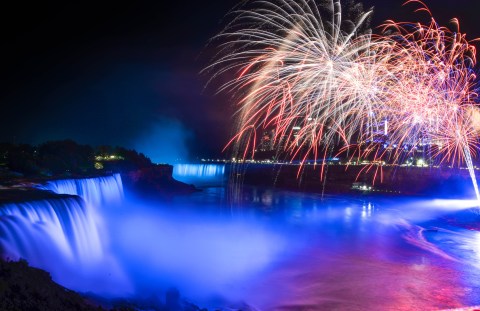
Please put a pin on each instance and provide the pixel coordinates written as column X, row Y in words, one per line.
column 128, row 74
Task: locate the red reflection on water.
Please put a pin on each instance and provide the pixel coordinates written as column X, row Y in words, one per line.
column 323, row 280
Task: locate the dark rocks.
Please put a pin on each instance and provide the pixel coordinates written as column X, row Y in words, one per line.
column 172, row 300
column 26, row 194
column 26, row 288
column 156, row 181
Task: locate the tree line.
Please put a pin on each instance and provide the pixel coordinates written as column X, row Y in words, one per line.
column 66, row 157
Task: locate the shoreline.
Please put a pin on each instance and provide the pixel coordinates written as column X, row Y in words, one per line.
column 340, row 179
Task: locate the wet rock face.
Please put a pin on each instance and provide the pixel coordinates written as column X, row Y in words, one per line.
column 157, row 181
column 12, row 195
column 163, row 172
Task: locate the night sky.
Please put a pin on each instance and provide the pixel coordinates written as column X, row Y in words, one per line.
column 129, row 74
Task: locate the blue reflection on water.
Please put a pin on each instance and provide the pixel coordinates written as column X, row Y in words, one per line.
column 293, row 250
column 278, row 249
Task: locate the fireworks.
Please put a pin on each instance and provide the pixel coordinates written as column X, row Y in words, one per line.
column 298, row 70
column 322, row 83
column 434, row 99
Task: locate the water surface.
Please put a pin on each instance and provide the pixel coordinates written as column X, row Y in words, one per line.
column 270, row 249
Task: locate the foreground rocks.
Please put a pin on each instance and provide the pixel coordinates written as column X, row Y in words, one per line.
column 26, row 288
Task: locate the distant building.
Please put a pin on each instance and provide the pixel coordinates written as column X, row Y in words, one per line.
column 267, row 141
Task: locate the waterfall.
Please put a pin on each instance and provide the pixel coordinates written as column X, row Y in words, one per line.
column 198, row 173
column 64, row 234
column 64, row 226
column 95, row 191
column 67, row 224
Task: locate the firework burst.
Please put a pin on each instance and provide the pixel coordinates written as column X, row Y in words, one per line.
column 434, row 98
column 297, row 70
column 320, row 82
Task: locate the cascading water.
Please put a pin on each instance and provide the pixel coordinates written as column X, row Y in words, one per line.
column 95, row 191
column 199, row 173
column 280, row 250
column 62, row 224
column 200, row 170
column 62, row 235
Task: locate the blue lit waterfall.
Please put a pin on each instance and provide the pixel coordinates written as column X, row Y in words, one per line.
column 95, row 191
column 199, row 174
column 64, row 225
column 274, row 250
column 63, row 234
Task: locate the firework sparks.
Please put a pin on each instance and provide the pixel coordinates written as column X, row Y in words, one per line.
column 434, row 99
column 322, row 83
column 299, row 70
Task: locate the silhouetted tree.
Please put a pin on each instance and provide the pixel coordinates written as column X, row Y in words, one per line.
column 127, row 159
column 19, row 158
column 66, row 156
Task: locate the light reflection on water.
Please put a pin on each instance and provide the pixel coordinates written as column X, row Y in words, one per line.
column 337, row 253
column 280, row 250
column 347, row 253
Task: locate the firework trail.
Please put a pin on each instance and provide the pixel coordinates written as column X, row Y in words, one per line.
column 434, row 99
column 322, row 82
column 297, row 69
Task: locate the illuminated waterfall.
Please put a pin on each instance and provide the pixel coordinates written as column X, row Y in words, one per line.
column 198, row 173
column 200, row 170
column 44, row 230
column 95, row 191
column 67, row 224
